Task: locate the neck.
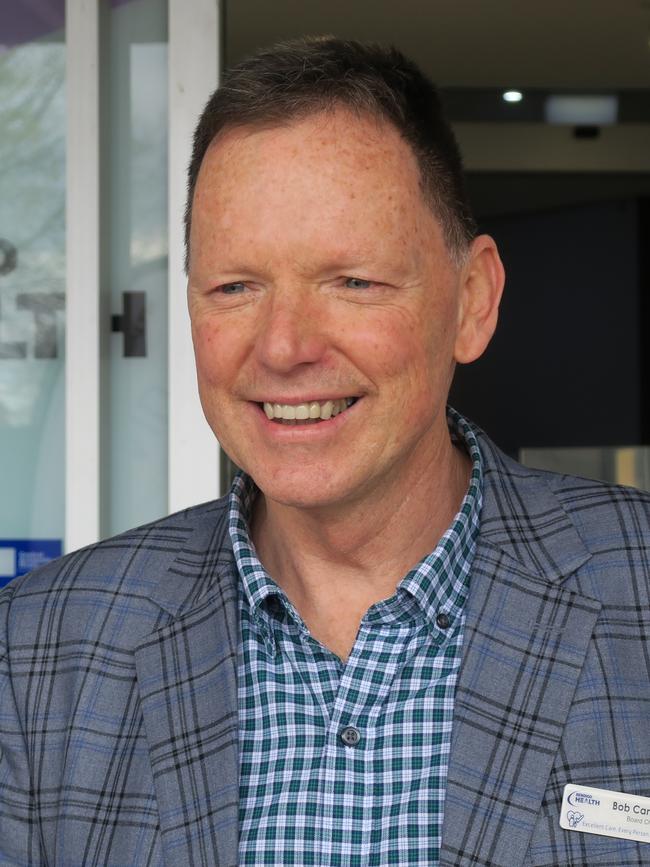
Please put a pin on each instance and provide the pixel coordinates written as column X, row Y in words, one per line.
column 337, row 561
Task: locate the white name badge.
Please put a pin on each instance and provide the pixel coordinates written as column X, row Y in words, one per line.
column 601, row 811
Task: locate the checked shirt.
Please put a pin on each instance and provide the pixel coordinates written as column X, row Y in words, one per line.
column 345, row 763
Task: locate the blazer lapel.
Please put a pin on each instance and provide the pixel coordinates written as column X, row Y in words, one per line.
column 525, row 642
column 187, row 677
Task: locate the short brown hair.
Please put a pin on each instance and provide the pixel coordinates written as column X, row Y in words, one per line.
column 293, row 79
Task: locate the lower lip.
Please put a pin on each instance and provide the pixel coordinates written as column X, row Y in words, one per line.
column 303, row 432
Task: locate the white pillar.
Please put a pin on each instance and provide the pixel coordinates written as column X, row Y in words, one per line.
column 194, row 61
column 82, row 274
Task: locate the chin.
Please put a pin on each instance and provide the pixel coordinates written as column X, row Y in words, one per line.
column 301, row 490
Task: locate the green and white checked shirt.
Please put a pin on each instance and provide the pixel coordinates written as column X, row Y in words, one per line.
column 345, row 763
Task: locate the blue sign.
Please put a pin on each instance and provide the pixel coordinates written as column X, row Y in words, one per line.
column 18, row 556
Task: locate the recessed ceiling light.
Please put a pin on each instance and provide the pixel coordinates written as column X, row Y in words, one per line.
column 513, row 96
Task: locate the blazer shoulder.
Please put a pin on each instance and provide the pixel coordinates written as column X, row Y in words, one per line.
column 158, row 565
column 596, row 503
column 588, row 501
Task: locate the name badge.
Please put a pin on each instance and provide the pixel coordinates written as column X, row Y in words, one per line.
column 601, row 811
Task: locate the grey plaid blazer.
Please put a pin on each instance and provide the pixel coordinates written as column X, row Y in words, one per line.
column 118, row 701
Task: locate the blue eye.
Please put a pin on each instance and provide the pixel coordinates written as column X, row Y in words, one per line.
column 357, row 283
column 232, row 288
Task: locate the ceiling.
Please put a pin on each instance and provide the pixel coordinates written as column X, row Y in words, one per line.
column 563, row 44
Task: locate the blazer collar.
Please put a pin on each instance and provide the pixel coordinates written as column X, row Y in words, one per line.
column 201, row 562
column 525, row 641
column 524, row 519
column 187, row 679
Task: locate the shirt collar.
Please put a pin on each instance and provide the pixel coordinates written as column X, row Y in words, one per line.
column 257, row 583
column 438, row 584
column 440, row 581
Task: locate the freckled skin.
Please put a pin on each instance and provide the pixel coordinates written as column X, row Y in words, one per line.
column 289, row 213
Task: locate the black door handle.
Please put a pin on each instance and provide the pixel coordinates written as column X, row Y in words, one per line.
column 132, row 322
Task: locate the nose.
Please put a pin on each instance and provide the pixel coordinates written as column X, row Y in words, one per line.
column 291, row 331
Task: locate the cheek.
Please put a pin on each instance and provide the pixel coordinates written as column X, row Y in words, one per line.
column 205, row 341
column 216, row 349
column 396, row 342
column 416, row 352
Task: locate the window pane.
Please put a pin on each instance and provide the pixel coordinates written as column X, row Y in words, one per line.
column 32, row 285
column 133, row 113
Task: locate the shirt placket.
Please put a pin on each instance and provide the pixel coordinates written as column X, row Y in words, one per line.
column 348, row 767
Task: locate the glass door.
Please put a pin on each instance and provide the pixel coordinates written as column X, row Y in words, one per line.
column 100, row 423
column 32, row 285
column 133, row 262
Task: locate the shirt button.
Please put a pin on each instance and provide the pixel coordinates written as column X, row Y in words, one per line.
column 350, row 736
column 443, row 621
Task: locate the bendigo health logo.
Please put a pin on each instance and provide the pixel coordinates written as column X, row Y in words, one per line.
column 577, row 799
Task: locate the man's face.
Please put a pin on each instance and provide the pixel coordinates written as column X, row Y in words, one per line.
column 318, row 273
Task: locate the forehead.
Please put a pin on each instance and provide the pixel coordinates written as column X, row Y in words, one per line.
column 333, row 175
column 340, row 145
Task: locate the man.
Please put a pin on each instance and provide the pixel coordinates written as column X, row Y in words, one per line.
column 389, row 644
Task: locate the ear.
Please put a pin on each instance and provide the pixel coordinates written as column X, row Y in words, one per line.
column 481, row 287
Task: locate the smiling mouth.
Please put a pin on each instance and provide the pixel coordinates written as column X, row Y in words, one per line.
column 306, row 413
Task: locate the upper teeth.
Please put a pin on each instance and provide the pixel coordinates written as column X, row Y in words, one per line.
column 301, row 411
